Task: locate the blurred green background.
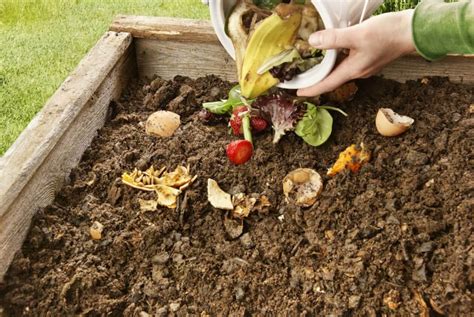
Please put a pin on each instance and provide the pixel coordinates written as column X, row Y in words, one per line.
column 41, row 41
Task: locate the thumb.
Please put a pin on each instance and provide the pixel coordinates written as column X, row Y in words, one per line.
column 332, row 38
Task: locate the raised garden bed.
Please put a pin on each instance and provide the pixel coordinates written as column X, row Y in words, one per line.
column 396, row 238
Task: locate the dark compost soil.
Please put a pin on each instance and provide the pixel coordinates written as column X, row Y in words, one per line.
column 394, row 239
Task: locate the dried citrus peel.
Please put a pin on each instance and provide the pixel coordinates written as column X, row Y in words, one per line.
column 167, row 185
column 352, row 158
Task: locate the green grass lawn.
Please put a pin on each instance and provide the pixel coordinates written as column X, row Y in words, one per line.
column 42, row 42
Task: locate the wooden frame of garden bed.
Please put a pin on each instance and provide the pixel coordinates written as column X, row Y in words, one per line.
column 39, row 162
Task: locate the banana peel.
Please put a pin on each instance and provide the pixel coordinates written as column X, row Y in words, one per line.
column 270, row 37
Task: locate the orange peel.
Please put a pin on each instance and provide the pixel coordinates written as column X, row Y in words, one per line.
column 352, row 158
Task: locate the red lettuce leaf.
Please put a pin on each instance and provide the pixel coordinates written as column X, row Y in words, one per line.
column 279, row 109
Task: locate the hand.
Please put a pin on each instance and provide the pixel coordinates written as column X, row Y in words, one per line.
column 372, row 44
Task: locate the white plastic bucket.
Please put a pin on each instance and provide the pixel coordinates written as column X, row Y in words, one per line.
column 334, row 13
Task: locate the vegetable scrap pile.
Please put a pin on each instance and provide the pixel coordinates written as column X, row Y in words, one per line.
column 271, row 42
column 276, row 109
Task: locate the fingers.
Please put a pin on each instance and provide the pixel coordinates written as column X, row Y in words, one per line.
column 333, row 38
column 342, row 74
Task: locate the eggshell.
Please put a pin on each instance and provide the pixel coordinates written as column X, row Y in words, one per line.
column 390, row 123
column 162, row 123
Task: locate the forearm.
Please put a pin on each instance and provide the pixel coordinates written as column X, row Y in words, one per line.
column 441, row 28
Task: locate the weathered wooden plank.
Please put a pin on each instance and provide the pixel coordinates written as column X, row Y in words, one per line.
column 169, row 47
column 37, row 164
column 160, row 28
column 170, row 58
column 459, row 69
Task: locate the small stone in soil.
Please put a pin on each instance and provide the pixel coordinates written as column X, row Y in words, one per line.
column 233, row 227
column 246, row 241
column 178, row 258
column 425, row 247
column 239, row 294
column 456, row 117
column 354, row 301
column 174, row 307
column 162, row 311
column 417, row 158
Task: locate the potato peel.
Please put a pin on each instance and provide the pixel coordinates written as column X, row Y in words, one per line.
column 352, row 158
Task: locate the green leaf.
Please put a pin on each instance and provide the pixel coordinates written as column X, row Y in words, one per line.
column 235, row 93
column 223, row 106
column 308, row 63
column 285, row 56
column 316, row 126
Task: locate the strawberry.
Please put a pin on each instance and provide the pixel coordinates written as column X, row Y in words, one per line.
column 235, row 121
column 239, row 151
column 258, row 124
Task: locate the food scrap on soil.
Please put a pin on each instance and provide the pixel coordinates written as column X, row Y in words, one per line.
column 162, row 123
column 302, row 187
column 147, row 205
column 281, row 110
column 167, row 185
column 96, row 230
column 240, row 204
column 362, row 249
column 352, row 158
column 390, row 123
column 217, row 197
column 284, row 112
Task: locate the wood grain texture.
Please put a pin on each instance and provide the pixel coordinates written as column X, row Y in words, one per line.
column 459, row 69
column 169, row 58
column 35, row 167
column 169, row 47
column 166, row 29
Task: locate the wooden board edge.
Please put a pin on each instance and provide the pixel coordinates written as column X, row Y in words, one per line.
column 50, row 175
column 35, row 142
column 164, row 28
column 170, row 58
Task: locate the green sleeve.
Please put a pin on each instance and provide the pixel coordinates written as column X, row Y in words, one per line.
column 441, row 28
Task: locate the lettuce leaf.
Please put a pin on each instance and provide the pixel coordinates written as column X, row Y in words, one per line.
column 226, row 105
column 315, row 127
column 280, row 110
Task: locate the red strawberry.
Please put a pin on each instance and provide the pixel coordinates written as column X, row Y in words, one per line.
column 258, row 124
column 235, row 121
column 239, row 151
